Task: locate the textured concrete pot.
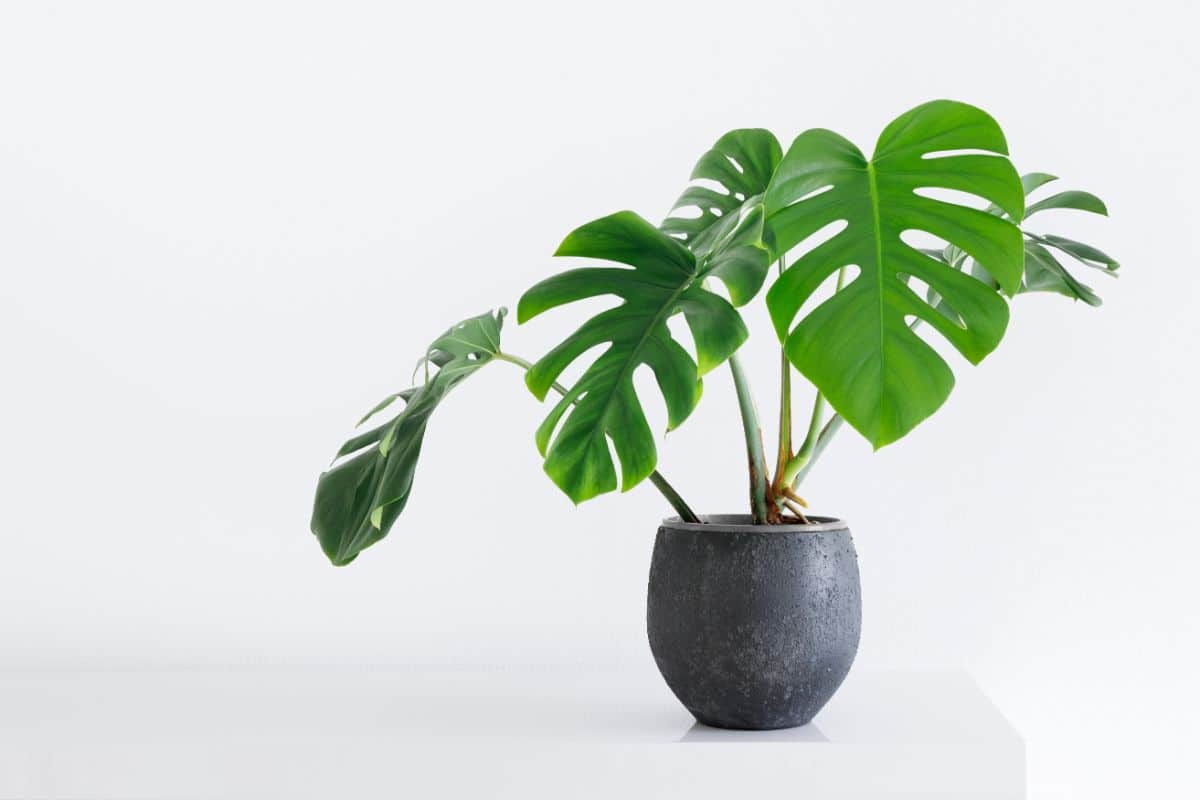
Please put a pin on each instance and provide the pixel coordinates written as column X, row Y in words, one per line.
column 754, row 626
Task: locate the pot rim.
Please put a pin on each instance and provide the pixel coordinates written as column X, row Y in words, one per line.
column 740, row 523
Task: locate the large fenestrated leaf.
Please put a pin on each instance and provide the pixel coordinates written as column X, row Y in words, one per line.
column 721, row 223
column 857, row 347
column 602, row 406
column 359, row 499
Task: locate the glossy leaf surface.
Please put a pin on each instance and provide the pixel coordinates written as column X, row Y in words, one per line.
column 857, row 347
column 662, row 278
column 719, row 217
column 359, row 499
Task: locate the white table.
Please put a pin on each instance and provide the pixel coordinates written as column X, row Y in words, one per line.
column 480, row 732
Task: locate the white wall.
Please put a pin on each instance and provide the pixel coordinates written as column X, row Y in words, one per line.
column 226, row 230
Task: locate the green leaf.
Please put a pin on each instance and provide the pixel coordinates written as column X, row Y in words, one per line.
column 721, row 226
column 602, row 405
column 1080, row 201
column 1044, row 273
column 857, row 347
column 1032, row 181
column 383, row 404
column 1083, row 253
column 359, row 499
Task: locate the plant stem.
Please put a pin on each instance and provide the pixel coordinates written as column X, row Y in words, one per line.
column 805, row 453
column 795, row 509
column 795, row 498
column 827, row 433
column 808, row 450
column 785, row 419
column 754, row 446
column 666, row 489
column 678, row 503
column 785, row 410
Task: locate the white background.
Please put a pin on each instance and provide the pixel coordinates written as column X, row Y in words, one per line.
column 226, row 230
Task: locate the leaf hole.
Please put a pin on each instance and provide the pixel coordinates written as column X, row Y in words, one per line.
column 966, row 151
column 820, row 190
column 921, row 240
column 616, row 461
column 929, row 295
column 916, row 284
column 817, row 238
column 952, row 196
column 850, row 273
column 646, row 386
column 709, row 183
column 826, row 290
column 935, row 341
column 980, row 273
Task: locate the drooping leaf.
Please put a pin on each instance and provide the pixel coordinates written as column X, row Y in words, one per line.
column 602, row 405
column 721, row 225
column 1043, row 271
column 857, row 346
column 359, row 499
column 1083, row 253
column 370, row 437
column 383, row 404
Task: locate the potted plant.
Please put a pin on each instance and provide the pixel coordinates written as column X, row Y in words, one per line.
column 753, row 618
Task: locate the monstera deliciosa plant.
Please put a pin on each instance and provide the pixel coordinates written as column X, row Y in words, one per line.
column 865, row 256
column 753, row 619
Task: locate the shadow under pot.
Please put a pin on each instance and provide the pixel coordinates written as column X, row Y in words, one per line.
column 754, row 627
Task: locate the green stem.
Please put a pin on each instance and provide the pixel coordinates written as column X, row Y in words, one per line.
column 668, row 491
column 802, row 468
column 785, row 418
column 805, row 453
column 827, row 433
column 754, row 446
column 805, row 456
column 678, row 503
column 785, row 409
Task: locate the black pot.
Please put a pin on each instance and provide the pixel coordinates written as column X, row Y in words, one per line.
column 754, row 626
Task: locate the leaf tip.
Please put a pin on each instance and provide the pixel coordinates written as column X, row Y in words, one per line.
column 525, row 311
column 535, row 384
